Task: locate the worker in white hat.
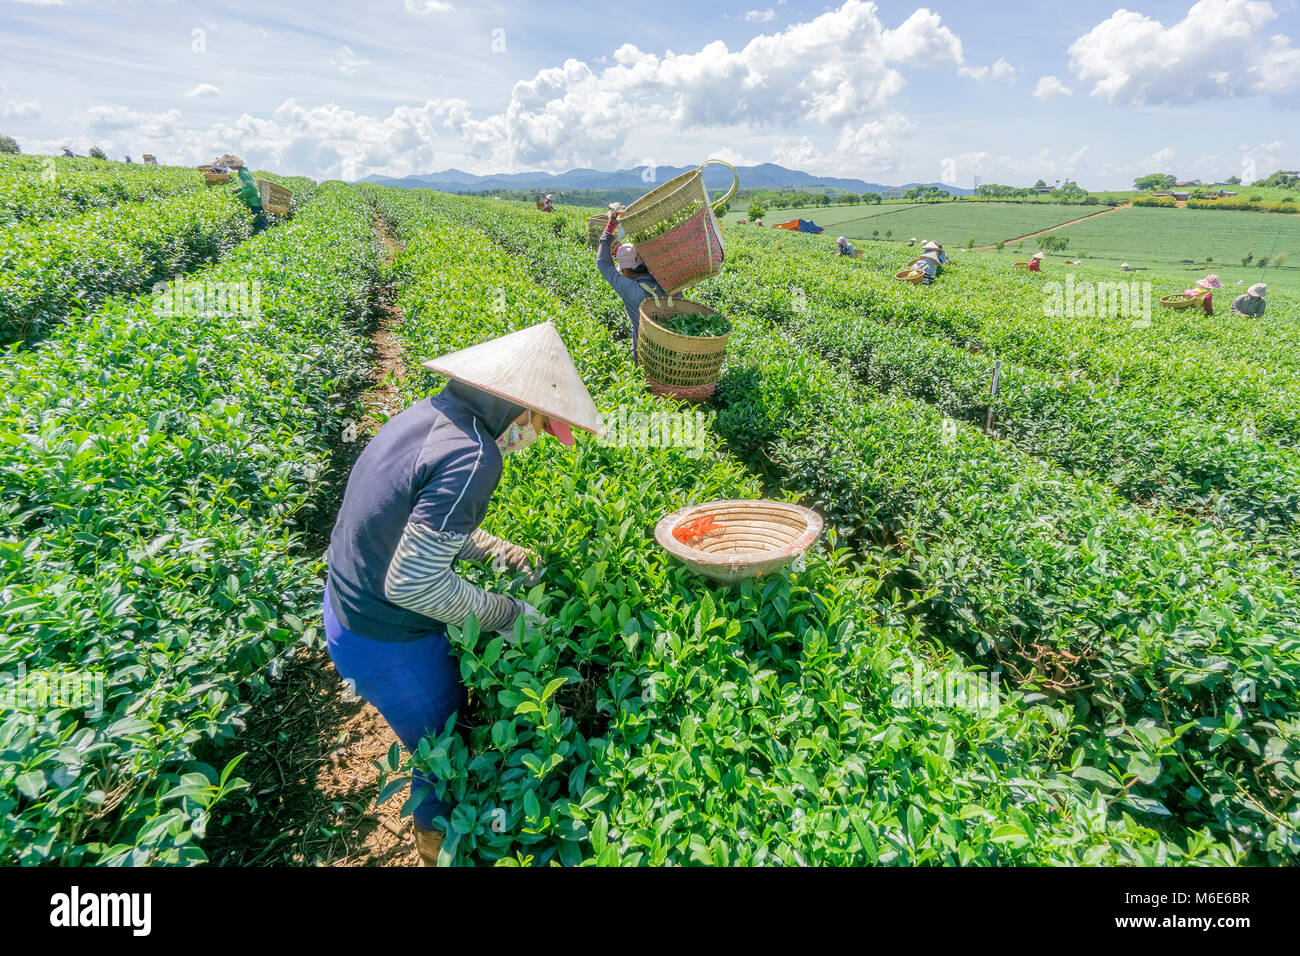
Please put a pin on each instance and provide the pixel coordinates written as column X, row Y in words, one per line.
column 412, row 508
column 1251, row 303
column 932, row 246
column 928, row 266
column 1036, row 262
column 843, row 246
column 626, row 273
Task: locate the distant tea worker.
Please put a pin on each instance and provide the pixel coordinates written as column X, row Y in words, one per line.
column 843, row 246
column 1036, row 262
column 1251, row 302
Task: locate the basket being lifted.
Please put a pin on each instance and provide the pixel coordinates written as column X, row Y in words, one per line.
column 675, row 229
column 685, row 366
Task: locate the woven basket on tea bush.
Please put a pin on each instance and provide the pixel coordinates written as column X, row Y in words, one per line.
column 732, row 540
column 1179, row 301
column 683, row 365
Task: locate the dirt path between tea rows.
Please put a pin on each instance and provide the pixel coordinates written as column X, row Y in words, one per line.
column 313, row 748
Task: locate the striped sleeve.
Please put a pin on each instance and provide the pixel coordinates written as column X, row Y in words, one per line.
column 420, row 579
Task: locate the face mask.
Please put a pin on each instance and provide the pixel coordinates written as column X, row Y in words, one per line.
column 517, row 436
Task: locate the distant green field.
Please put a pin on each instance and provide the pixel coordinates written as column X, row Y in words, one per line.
column 1182, row 237
column 950, row 223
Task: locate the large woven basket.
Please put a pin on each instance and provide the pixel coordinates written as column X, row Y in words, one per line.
column 857, row 253
column 275, row 198
column 907, row 275
column 691, row 251
column 1179, row 301
column 678, row 361
column 212, row 178
column 596, row 226
column 748, row 538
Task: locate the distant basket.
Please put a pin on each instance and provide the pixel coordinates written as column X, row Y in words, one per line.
column 684, row 365
column 1180, row 301
column 857, row 253
column 596, row 226
column 275, row 198
column 741, row 539
column 212, row 178
column 1021, row 265
column 910, row 275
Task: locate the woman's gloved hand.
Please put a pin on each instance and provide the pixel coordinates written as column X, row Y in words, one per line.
column 505, row 556
column 532, row 618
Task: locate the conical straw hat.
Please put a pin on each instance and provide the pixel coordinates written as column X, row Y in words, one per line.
column 531, row 368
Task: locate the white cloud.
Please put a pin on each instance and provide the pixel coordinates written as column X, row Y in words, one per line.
column 16, row 110
column 1220, row 49
column 204, row 91
column 1049, row 86
column 113, row 119
column 870, row 146
column 428, row 6
column 760, row 16
column 1161, row 157
column 42, row 3
column 999, row 70
column 345, row 61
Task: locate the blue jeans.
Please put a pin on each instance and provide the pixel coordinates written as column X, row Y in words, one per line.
column 415, row 686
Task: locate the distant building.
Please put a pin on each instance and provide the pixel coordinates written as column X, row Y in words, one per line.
column 1042, row 189
column 1225, row 193
column 1181, row 197
column 1187, row 183
column 1162, row 192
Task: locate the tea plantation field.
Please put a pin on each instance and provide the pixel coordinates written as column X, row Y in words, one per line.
column 1113, row 561
column 952, row 223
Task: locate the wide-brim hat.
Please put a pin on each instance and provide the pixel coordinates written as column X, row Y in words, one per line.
column 1039, row 255
column 1209, row 282
column 532, row 368
column 840, row 241
column 931, row 245
column 1258, row 289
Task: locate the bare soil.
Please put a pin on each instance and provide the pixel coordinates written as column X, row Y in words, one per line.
column 313, row 750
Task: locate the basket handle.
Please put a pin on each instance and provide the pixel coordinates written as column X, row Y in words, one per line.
column 735, row 182
column 650, row 292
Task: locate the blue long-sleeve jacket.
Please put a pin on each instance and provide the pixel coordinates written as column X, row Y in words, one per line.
column 632, row 291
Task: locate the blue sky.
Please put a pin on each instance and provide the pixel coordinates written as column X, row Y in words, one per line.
column 888, row 91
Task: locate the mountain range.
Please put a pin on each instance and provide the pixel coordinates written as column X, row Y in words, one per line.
column 763, row 176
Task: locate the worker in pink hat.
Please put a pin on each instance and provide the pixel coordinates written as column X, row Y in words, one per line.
column 626, row 273
column 1204, row 290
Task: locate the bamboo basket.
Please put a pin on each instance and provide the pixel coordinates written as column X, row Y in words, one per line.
column 857, row 253
column 751, row 538
column 1179, row 301
column 1021, row 265
column 691, row 251
column 686, row 366
column 275, row 198
column 595, row 226
column 909, row 275
column 212, row 178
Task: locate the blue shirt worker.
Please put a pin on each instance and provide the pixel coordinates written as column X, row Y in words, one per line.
column 413, row 507
column 626, row 274
column 844, row 247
